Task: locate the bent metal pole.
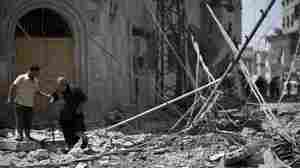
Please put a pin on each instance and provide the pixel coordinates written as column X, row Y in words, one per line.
column 163, row 105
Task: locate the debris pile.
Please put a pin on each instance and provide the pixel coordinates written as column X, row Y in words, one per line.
column 115, row 149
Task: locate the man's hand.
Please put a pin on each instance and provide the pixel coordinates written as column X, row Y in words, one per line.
column 51, row 99
column 11, row 94
column 41, row 93
column 8, row 100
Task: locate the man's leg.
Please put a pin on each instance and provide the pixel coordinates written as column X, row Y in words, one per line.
column 67, row 132
column 28, row 115
column 79, row 130
column 277, row 92
column 19, row 117
column 75, row 138
column 84, row 139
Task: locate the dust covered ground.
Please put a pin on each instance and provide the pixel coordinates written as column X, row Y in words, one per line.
column 252, row 143
column 115, row 149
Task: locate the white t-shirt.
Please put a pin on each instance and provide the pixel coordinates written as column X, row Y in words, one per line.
column 294, row 87
column 26, row 89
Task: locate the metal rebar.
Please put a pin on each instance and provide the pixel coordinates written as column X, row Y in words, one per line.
column 163, row 105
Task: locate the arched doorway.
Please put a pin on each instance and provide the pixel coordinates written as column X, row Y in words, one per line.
column 75, row 21
column 44, row 38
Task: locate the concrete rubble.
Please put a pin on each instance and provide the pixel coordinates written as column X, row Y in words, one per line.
column 249, row 148
column 222, row 144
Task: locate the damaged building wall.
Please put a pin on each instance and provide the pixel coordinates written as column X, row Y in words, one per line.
column 110, row 78
column 109, row 84
column 114, row 48
column 123, row 29
column 283, row 47
column 213, row 47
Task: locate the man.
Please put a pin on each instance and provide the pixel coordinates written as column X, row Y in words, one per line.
column 262, row 85
column 275, row 88
column 71, row 119
column 22, row 92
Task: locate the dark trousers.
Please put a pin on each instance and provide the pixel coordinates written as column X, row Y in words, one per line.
column 71, row 129
column 275, row 92
column 23, row 116
column 69, row 132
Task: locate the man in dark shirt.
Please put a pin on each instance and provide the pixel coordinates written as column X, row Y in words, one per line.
column 275, row 88
column 71, row 118
column 262, row 85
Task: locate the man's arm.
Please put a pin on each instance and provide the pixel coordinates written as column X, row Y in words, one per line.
column 11, row 93
column 13, row 89
column 40, row 92
column 81, row 99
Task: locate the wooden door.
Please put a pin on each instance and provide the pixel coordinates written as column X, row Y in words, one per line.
column 54, row 55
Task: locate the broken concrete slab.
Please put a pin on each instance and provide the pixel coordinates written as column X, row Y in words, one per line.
column 81, row 165
column 248, row 132
column 272, row 161
column 40, row 154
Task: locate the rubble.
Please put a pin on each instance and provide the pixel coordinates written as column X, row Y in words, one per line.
column 247, row 146
column 40, row 154
column 115, row 149
column 210, row 146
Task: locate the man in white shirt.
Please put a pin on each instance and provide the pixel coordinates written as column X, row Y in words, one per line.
column 22, row 92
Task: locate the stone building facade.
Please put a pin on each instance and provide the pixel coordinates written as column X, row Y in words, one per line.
column 105, row 45
column 281, row 52
column 290, row 15
column 283, row 41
